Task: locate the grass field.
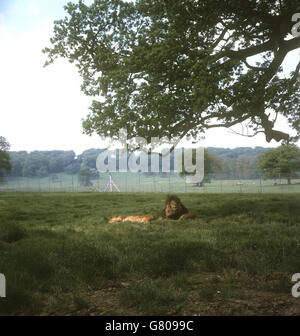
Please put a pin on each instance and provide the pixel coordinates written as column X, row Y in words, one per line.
column 60, row 255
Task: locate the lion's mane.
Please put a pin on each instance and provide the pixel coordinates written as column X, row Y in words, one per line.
column 174, row 209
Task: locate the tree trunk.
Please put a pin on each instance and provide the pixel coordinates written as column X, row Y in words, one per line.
column 289, row 180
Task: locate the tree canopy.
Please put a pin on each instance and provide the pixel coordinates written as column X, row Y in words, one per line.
column 174, row 68
column 281, row 162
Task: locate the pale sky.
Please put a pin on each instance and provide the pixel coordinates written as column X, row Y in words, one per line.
column 42, row 108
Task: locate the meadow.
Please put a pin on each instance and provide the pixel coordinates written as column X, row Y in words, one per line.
column 60, row 255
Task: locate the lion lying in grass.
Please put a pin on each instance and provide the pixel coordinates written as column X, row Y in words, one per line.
column 134, row 219
column 174, row 209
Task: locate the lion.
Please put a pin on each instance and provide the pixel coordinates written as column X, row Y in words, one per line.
column 174, row 209
column 133, row 219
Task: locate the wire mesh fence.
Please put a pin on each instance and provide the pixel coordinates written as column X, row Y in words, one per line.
column 140, row 182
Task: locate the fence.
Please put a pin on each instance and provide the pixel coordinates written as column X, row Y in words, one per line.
column 139, row 182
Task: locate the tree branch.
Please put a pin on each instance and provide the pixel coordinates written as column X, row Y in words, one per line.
column 253, row 67
column 248, row 52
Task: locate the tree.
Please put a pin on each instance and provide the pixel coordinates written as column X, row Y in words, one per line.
column 89, row 158
column 43, row 163
column 84, row 178
column 5, row 165
column 212, row 164
column 175, row 68
column 283, row 161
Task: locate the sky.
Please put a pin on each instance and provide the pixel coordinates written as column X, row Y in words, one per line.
column 42, row 108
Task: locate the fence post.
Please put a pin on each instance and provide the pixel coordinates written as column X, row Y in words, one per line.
column 260, row 184
column 139, row 182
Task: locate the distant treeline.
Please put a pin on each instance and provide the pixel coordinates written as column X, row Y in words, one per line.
column 239, row 162
column 44, row 163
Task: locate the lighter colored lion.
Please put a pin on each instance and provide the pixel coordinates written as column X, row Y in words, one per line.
column 134, row 219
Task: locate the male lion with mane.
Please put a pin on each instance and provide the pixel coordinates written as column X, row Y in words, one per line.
column 174, row 209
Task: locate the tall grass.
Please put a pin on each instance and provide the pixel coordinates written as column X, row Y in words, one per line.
column 55, row 244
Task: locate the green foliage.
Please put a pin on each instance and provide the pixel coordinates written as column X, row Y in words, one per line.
column 212, row 164
column 5, row 165
column 282, row 162
column 4, row 145
column 240, row 162
column 171, row 68
column 88, row 158
column 43, row 163
column 84, row 178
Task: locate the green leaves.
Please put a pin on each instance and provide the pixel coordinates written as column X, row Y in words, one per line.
column 212, row 163
column 283, row 161
column 4, row 157
column 172, row 68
